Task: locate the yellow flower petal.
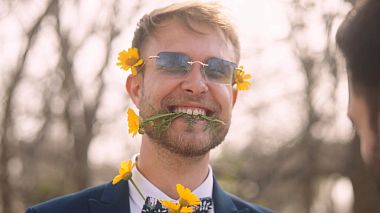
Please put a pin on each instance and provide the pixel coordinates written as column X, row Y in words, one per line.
column 134, row 53
column 240, row 79
column 186, row 198
column 133, row 122
column 176, row 207
column 117, row 179
column 139, row 62
column 125, row 171
column 129, row 60
column 170, row 205
column 134, row 71
column 126, row 167
column 247, row 76
column 243, row 86
column 187, row 209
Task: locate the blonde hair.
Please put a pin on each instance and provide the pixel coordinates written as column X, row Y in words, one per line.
column 205, row 13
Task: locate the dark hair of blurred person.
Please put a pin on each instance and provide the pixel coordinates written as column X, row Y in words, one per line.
column 359, row 40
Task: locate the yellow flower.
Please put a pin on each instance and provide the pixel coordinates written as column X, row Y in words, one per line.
column 186, row 198
column 240, row 79
column 176, row 207
column 129, row 60
column 133, row 122
column 185, row 203
column 125, row 171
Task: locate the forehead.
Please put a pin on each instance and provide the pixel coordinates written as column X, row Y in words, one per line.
column 173, row 35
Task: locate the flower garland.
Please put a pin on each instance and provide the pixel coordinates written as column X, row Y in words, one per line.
column 188, row 202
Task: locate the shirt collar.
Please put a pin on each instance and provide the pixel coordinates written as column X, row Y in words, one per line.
column 148, row 189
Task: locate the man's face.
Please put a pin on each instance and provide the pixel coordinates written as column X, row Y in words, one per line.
column 160, row 92
column 358, row 111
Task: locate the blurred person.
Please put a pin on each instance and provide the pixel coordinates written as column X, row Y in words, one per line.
column 359, row 40
column 185, row 86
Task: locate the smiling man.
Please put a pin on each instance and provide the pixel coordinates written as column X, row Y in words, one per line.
column 184, row 83
column 359, row 39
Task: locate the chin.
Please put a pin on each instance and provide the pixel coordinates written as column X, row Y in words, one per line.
column 187, row 143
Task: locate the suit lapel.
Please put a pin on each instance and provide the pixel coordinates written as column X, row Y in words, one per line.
column 222, row 201
column 115, row 199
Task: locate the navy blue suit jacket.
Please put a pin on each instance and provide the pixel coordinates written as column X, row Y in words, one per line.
column 110, row 198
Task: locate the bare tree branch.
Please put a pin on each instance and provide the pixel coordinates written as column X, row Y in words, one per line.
column 6, row 128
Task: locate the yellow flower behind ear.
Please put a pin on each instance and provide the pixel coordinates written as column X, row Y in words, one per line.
column 186, row 198
column 133, row 122
column 241, row 79
column 129, row 60
column 125, row 172
column 176, row 207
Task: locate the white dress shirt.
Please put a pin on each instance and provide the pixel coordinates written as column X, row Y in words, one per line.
column 136, row 202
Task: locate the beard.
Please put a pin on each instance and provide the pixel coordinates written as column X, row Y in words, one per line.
column 181, row 137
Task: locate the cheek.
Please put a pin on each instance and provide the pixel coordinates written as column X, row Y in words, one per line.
column 225, row 97
column 155, row 88
column 150, row 91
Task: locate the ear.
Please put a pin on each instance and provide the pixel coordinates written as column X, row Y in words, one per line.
column 133, row 85
column 234, row 96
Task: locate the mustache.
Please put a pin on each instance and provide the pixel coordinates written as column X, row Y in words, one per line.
column 177, row 100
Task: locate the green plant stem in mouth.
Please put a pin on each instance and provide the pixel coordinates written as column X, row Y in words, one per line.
column 161, row 122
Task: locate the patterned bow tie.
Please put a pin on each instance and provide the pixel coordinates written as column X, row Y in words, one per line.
column 153, row 206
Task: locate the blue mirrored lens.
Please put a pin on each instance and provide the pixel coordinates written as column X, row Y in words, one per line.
column 173, row 62
column 219, row 70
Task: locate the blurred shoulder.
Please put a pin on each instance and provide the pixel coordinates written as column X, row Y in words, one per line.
column 252, row 208
column 75, row 202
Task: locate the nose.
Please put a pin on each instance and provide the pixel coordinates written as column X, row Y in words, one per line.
column 195, row 81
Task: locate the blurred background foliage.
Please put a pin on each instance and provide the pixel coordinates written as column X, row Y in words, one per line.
column 63, row 125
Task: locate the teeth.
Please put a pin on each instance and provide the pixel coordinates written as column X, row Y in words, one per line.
column 190, row 111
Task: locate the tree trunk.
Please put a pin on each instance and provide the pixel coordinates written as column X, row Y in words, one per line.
column 6, row 192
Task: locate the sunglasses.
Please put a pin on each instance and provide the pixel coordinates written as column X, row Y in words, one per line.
column 215, row 69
